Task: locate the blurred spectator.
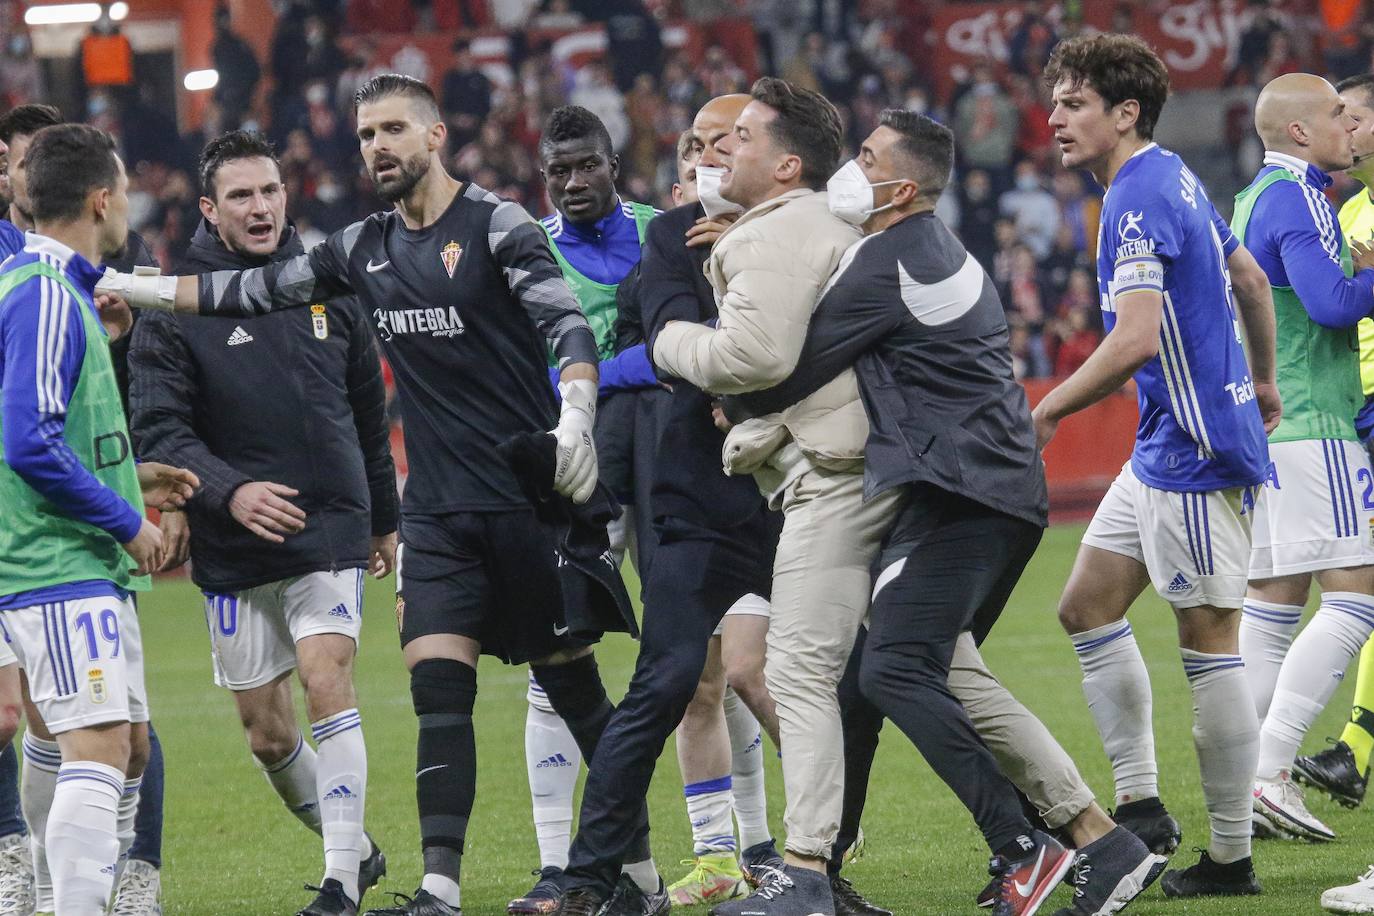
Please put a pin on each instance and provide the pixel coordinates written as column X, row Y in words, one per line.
column 1077, row 341
column 978, row 217
column 555, row 14
column 821, row 66
column 1063, row 259
column 985, row 126
column 107, row 58
column 466, row 94
column 510, row 162
column 1027, row 352
column 633, row 43
column 1078, row 211
column 644, row 106
column 1031, row 43
column 1034, row 136
column 367, row 16
column 596, row 93
column 1279, row 60
column 719, row 75
column 1259, row 22
column 680, row 85
column 1032, row 208
column 238, row 69
column 21, row 80
column 328, row 210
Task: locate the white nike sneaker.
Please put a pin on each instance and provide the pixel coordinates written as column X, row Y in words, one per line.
column 1279, row 801
column 139, row 889
column 1352, row 898
column 16, row 876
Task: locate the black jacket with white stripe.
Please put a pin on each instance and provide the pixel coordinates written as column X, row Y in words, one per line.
column 922, row 325
column 292, row 397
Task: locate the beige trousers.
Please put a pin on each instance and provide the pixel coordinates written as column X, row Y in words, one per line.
column 822, row 585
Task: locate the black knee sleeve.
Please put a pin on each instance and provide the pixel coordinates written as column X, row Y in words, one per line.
column 443, row 692
column 576, row 693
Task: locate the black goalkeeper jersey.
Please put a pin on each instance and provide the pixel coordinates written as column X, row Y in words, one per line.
column 466, row 310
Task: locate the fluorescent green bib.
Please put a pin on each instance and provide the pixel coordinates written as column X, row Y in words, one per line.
column 598, row 299
column 1318, row 368
column 40, row 546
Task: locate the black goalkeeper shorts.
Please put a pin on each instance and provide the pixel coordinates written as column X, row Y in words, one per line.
column 489, row 576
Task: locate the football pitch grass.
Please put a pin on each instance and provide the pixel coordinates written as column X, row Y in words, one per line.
column 231, row 849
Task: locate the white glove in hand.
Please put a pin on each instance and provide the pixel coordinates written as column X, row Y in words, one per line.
column 575, row 469
column 145, row 288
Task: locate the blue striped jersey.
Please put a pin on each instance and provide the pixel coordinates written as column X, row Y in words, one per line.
column 1200, row 427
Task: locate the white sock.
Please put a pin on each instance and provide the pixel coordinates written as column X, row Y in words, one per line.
column 1314, row 669
column 643, row 874
column 1226, row 737
column 81, row 839
column 551, row 761
column 445, row 888
column 124, row 822
column 1117, row 686
column 709, row 808
column 746, row 772
column 42, row 759
column 1266, row 632
column 341, row 784
column 293, row 779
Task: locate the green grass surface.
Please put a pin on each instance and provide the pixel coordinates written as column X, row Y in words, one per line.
column 232, row 849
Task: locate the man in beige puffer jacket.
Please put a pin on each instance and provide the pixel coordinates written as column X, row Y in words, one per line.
column 768, row 271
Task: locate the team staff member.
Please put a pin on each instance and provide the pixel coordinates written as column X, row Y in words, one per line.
column 27, row 874
column 466, row 300
column 595, row 237
column 76, row 543
column 298, row 495
column 948, row 323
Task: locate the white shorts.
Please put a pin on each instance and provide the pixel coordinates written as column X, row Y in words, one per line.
column 7, row 656
column 749, row 605
column 1317, row 511
column 1195, row 546
column 83, row 659
column 253, row 633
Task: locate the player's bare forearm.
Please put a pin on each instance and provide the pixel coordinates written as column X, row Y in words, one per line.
column 188, row 295
column 1255, row 306
column 574, row 372
column 1132, row 343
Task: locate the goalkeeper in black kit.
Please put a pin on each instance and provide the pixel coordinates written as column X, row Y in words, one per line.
column 467, row 301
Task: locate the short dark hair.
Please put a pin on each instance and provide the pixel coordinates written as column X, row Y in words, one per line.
column 27, row 120
column 226, row 148
column 386, row 85
column 66, row 163
column 1118, row 68
column 573, row 122
column 1363, row 82
column 807, row 126
column 927, row 143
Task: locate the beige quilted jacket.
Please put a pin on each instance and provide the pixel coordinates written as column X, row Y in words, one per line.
column 768, row 271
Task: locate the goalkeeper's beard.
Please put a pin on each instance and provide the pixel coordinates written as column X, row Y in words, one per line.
column 410, row 172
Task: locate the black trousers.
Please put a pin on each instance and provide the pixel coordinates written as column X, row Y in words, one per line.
column 960, row 561
column 862, row 722
column 696, row 575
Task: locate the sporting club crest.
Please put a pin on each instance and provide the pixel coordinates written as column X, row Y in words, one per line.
column 450, row 254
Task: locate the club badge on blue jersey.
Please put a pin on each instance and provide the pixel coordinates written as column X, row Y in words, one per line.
column 450, row 255
column 318, row 322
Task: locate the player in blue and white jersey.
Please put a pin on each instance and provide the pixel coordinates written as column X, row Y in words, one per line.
column 1178, row 516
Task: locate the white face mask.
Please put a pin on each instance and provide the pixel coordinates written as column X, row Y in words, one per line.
column 851, row 196
column 708, row 192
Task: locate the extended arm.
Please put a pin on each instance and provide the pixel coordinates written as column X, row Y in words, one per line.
column 162, row 396
column 845, row 325
column 44, row 346
column 1309, row 240
column 317, row 275
column 1132, row 343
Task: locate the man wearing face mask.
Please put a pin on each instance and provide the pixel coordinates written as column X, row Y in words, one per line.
column 767, row 271
column 909, row 308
